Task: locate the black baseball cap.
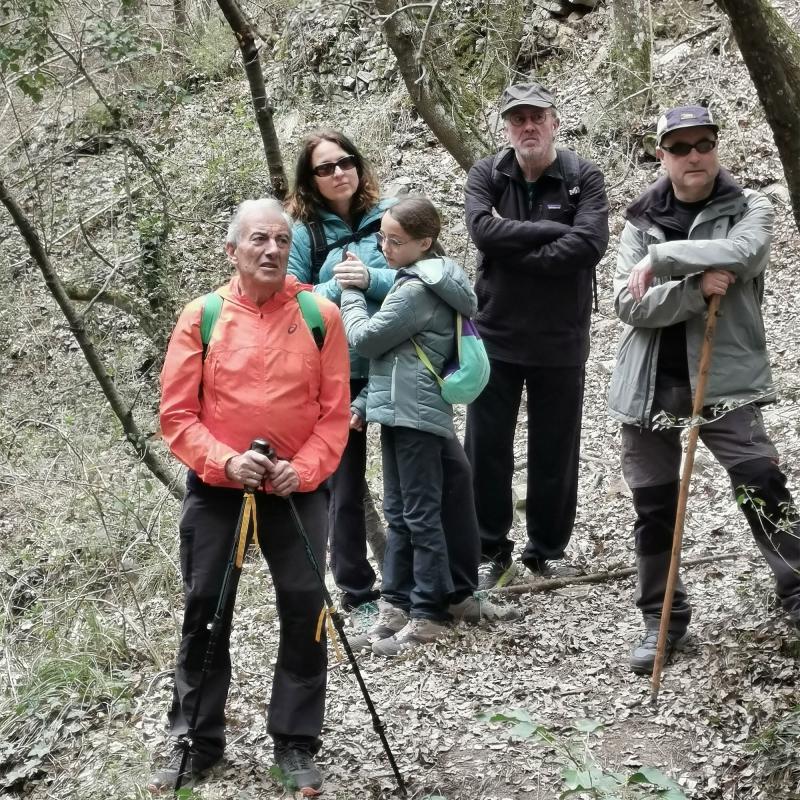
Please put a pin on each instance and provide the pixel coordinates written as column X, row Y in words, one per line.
column 525, row 94
column 684, row 117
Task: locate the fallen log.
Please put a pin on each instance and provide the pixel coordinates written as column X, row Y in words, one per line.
column 548, row 584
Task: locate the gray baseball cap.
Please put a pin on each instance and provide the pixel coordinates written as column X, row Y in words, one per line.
column 525, row 94
column 684, row 117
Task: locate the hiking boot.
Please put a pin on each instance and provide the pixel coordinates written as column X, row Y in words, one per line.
column 298, row 770
column 476, row 608
column 542, row 568
column 390, row 620
column 416, row 632
column 363, row 617
column 643, row 656
column 495, row 574
column 165, row 778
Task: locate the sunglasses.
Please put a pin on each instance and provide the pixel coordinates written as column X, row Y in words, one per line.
column 684, row 148
column 327, row 169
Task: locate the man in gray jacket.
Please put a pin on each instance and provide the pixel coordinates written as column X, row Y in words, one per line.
column 694, row 234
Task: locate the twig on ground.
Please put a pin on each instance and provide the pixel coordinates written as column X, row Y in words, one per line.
column 548, row 584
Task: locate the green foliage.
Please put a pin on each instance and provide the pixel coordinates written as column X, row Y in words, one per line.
column 25, row 44
column 210, row 50
column 235, row 171
column 581, row 774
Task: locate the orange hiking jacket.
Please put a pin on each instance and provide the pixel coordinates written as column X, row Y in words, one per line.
column 263, row 377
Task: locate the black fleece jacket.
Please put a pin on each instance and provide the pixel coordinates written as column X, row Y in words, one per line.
column 535, row 265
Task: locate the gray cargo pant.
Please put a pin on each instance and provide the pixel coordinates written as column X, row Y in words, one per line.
column 651, row 463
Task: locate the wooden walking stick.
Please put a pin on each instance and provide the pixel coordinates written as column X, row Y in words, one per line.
column 683, row 496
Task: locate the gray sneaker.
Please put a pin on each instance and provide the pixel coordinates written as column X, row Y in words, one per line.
column 495, row 574
column 390, row 620
column 477, row 608
column 164, row 778
column 415, row 633
column 557, row 568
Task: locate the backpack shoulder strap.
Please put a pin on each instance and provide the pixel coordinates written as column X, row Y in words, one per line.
column 570, row 169
column 209, row 314
column 309, row 308
column 319, row 247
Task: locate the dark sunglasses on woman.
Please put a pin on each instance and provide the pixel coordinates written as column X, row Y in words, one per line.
column 326, row 169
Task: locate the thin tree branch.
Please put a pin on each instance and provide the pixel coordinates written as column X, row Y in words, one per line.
column 56, row 288
column 548, row 584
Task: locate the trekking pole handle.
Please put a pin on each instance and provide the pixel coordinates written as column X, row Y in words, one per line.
column 264, row 447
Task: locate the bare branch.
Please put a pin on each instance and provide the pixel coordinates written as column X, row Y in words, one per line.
column 123, row 412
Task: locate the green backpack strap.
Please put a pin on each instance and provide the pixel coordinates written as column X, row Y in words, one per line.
column 209, row 314
column 212, row 306
column 312, row 316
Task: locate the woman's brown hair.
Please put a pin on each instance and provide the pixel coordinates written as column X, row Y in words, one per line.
column 305, row 201
column 418, row 217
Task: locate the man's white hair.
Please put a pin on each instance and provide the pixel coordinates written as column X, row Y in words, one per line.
column 266, row 205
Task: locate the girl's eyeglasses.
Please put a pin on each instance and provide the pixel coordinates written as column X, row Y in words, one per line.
column 327, row 169
column 383, row 239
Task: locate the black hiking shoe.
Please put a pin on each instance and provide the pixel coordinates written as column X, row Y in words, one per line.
column 495, row 574
column 643, row 656
column 297, row 767
column 542, row 568
column 164, row 778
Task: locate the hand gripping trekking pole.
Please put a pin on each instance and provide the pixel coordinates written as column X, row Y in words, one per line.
column 262, row 446
column 226, row 599
column 683, row 496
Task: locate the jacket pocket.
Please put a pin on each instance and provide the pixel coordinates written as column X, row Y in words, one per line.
column 392, row 381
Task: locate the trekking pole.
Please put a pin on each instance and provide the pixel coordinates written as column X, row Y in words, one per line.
column 227, row 595
column 683, row 495
column 263, row 447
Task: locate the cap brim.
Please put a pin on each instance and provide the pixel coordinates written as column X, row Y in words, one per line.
column 531, row 103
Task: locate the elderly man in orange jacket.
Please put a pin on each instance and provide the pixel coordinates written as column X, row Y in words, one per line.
column 260, row 375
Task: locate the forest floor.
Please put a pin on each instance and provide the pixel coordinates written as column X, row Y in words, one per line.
column 88, row 570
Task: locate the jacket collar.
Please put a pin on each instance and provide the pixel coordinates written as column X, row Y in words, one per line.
column 326, row 215
column 657, row 202
column 291, row 287
column 507, row 164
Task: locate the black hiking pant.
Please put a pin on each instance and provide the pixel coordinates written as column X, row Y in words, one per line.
column 347, row 526
column 207, row 530
column 555, row 407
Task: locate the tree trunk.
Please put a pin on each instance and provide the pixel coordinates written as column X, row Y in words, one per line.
column 771, row 51
column 631, row 54
column 376, row 535
column 433, row 101
column 123, row 412
column 246, row 37
column 179, row 12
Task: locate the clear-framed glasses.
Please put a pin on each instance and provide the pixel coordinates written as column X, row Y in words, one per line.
column 383, row 240
column 327, row 168
column 684, row 148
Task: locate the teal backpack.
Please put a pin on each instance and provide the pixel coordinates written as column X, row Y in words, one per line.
column 212, row 305
column 466, row 376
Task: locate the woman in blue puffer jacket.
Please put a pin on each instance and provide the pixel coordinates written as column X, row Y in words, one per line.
column 337, row 208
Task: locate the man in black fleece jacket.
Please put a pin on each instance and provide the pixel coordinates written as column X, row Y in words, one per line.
column 539, row 218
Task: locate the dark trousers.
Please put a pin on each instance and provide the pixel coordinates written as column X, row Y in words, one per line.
column 416, row 570
column 207, row 530
column 555, row 405
column 738, row 440
column 459, row 521
column 347, row 527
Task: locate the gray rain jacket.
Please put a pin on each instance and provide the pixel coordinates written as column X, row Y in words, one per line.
column 732, row 232
column 422, row 303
